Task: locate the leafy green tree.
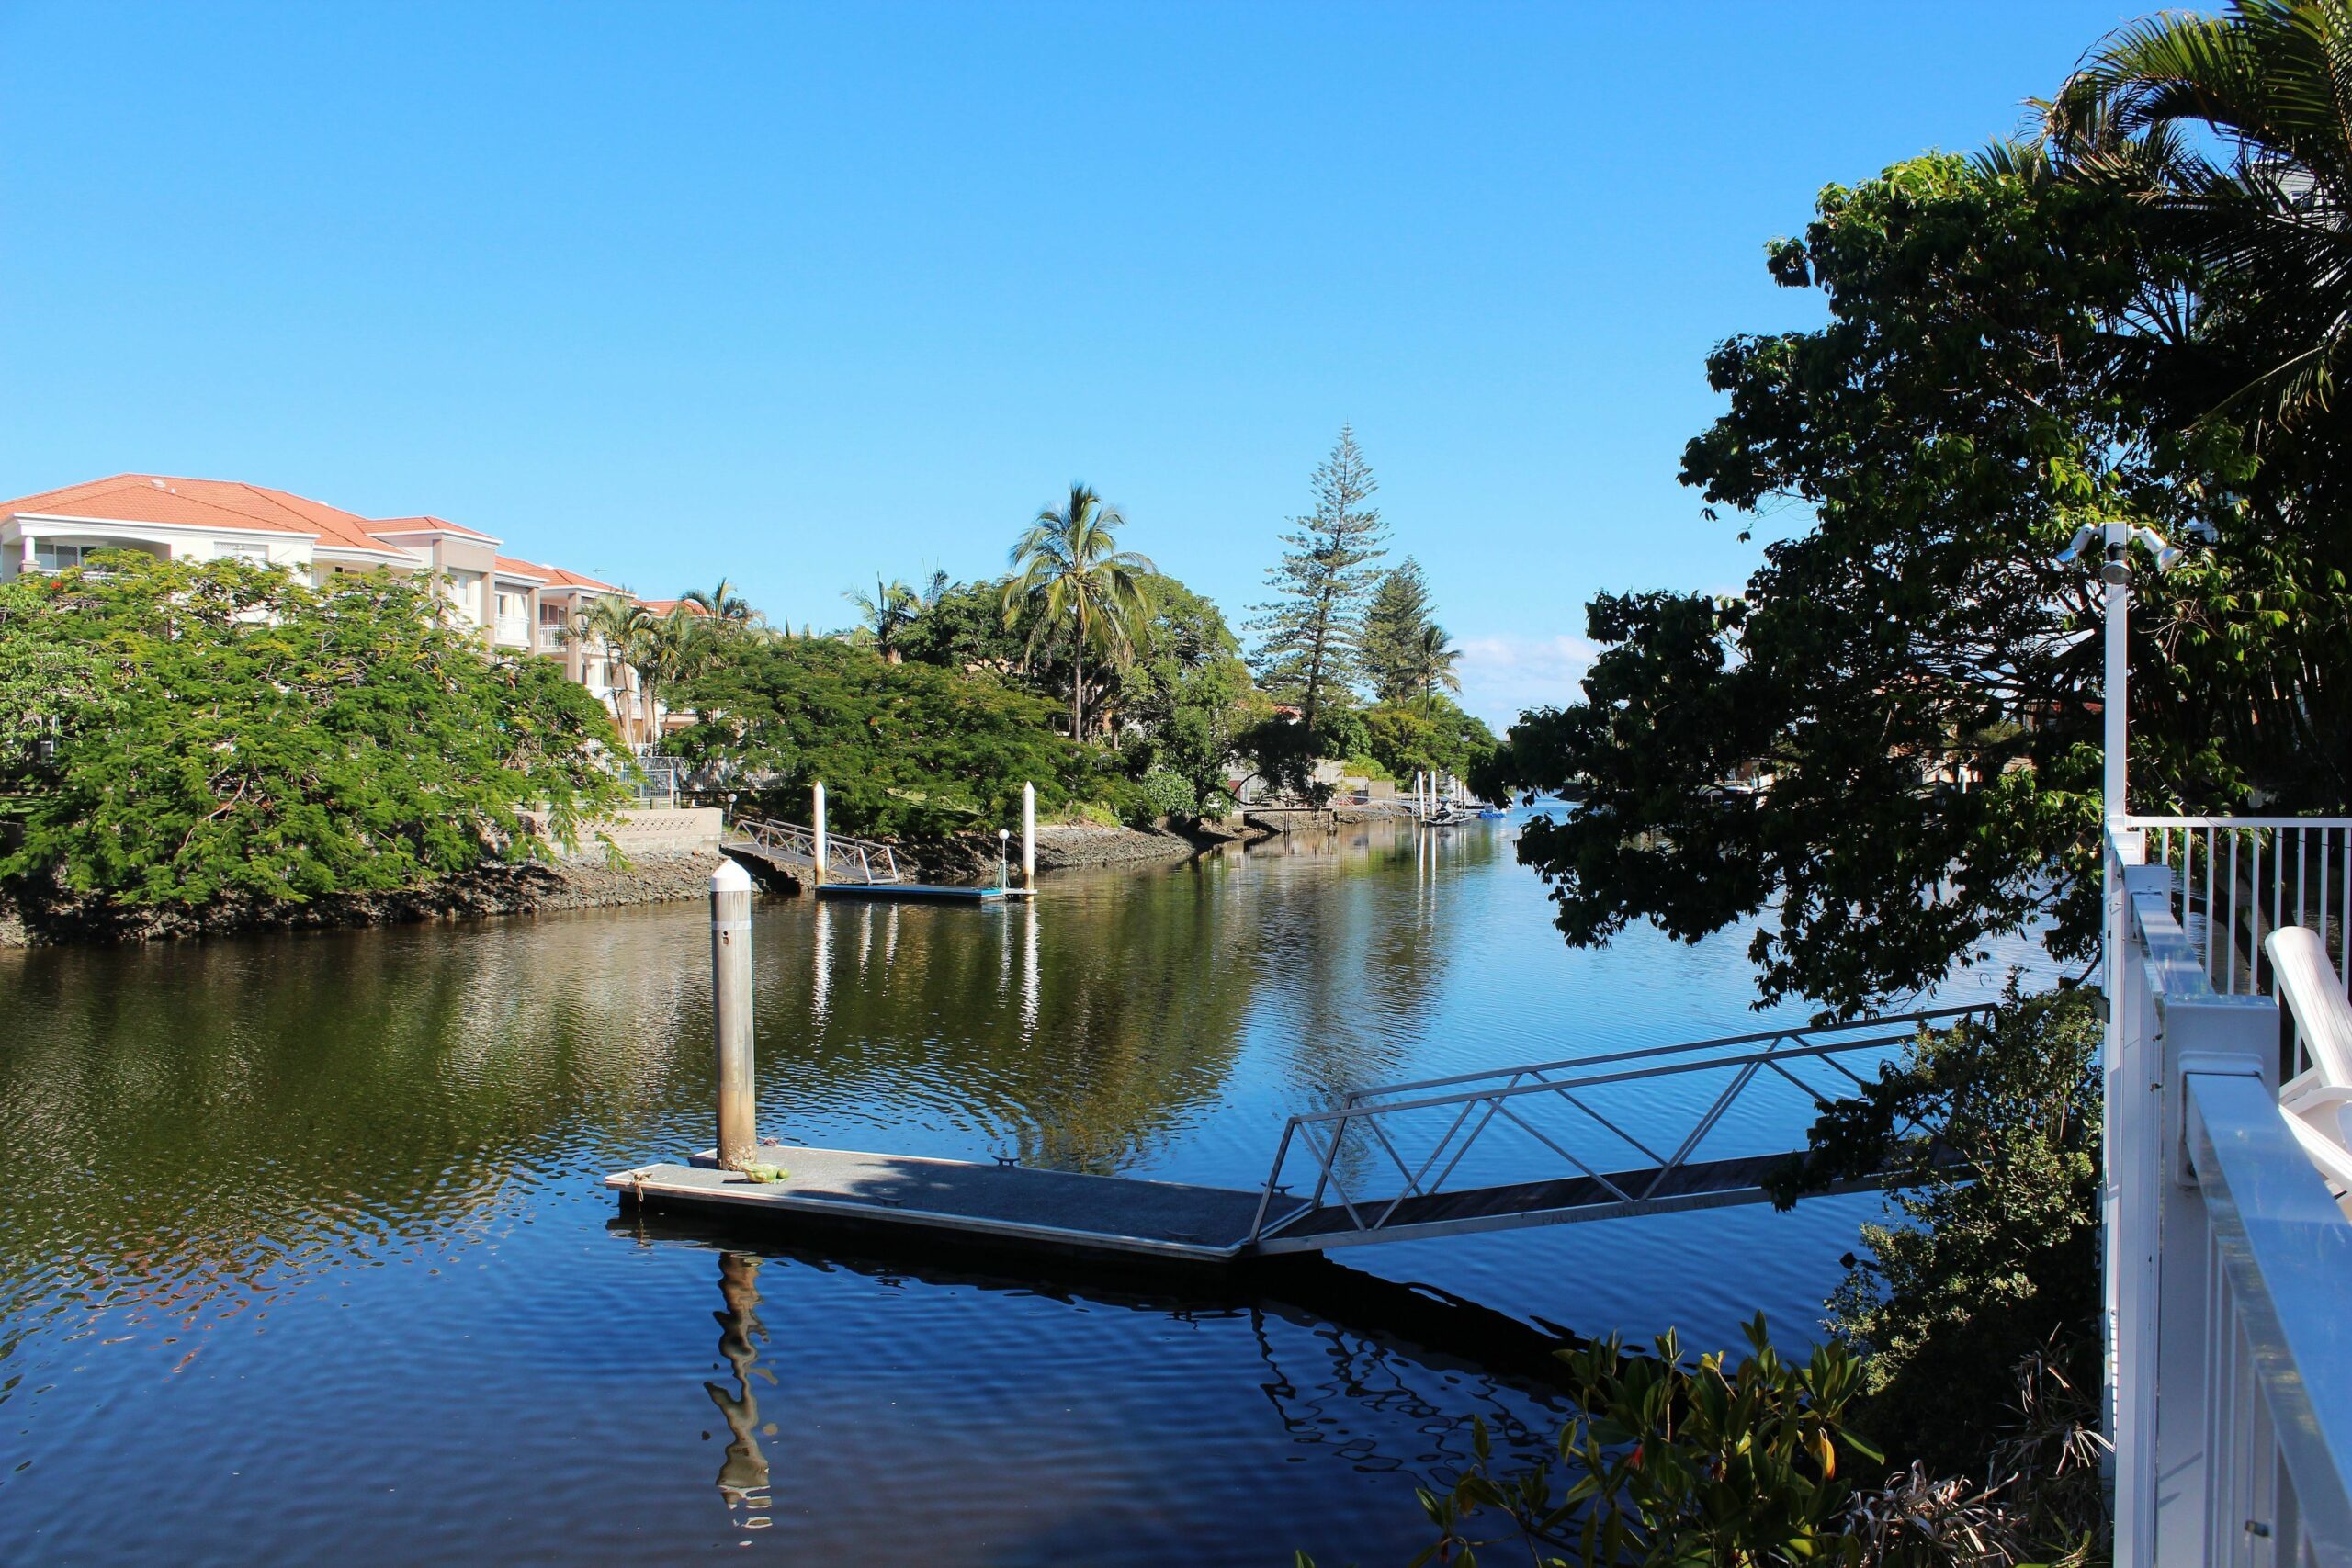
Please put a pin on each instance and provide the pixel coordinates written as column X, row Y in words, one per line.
column 236, row 733
column 1912, row 667
column 962, row 627
column 1080, row 590
column 1393, row 622
column 1310, row 634
column 904, row 749
column 1430, row 736
column 1189, row 694
column 1997, row 1259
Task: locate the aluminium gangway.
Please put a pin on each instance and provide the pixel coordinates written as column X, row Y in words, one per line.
column 1545, row 1143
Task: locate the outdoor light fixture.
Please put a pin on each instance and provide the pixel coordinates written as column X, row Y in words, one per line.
column 2115, row 570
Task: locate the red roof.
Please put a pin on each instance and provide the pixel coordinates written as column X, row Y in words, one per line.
column 425, row 525
column 663, row 607
column 201, row 503
column 507, row 565
column 555, row 574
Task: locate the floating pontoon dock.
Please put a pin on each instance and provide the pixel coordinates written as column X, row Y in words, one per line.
column 1380, row 1166
column 919, row 890
column 1002, row 1203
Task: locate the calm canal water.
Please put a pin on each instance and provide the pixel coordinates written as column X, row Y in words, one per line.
column 303, row 1256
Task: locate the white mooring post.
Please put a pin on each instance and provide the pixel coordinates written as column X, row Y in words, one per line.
column 1028, row 835
column 730, row 1011
column 820, row 832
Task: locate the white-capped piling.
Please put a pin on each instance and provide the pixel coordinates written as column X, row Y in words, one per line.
column 730, row 1011
column 818, row 852
column 1028, row 835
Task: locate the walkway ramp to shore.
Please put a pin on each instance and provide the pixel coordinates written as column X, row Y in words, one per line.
column 1649, row 1131
column 791, row 848
column 1698, row 1125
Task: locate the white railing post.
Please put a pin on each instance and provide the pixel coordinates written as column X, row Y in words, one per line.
column 2123, row 1250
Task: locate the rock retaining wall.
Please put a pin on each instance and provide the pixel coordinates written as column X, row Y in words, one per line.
column 499, row 888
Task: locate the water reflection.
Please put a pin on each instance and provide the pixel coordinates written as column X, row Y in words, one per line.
column 743, row 1474
column 1378, row 1378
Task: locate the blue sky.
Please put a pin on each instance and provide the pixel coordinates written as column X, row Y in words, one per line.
column 800, row 295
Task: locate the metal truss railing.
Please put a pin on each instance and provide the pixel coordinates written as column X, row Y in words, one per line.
column 1557, row 1108
column 846, row 859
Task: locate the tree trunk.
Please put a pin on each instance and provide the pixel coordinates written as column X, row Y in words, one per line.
column 1077, row 686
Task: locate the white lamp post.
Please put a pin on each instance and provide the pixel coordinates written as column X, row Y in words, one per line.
column 2126, row 1258
column 1004, row 850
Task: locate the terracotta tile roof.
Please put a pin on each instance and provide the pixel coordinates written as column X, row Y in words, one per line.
column 425, row 525
column 663, row 607
column 555, row 575
column 202, row 504
column 507, row 565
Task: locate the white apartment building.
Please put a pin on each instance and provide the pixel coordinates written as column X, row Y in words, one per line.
column 519, row 606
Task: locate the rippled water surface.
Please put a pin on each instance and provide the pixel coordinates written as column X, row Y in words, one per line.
column 304, row 1255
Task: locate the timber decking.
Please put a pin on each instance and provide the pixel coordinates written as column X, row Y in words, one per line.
column 1005, row 1202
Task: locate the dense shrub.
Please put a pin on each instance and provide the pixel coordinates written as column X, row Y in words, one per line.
column 1996, row 1261
column 910, row 749
column 1171, row 794
column 179, row 732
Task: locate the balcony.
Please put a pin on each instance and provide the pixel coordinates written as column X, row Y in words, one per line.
column 2229, row 1257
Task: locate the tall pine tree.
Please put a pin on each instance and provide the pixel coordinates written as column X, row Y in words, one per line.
column 1309, row 634
column 1390, row 650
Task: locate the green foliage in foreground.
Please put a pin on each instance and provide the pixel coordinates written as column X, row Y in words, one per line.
column 904, row 749
column 182, row 732
column 1997, row 1259
column 1673, row 1463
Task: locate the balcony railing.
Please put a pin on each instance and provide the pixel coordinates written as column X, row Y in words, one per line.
column 2237, row 879
column 2229, row 1263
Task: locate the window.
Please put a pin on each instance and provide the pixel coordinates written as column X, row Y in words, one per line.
column 50, row 555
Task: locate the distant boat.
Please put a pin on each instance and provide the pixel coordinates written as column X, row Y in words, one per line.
column 1491, row 813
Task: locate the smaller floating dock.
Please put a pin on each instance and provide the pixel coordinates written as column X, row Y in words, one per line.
column 931, row 890
column 996, row 1203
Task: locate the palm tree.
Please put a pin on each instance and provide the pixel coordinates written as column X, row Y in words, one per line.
column 729, row 610
column 886, row 614
column 1433, row 658
column 2267, row 214
column 1069, row 569
column 662, row 651
column 615, row 623
column 671, row 650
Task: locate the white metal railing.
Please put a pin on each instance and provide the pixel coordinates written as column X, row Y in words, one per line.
column 550, row 635
column 1416, row 1159
column 2229, row 1264
column 2237, row 879
column 846, row 859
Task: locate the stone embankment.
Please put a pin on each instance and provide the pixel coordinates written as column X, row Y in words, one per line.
column 499, row 888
